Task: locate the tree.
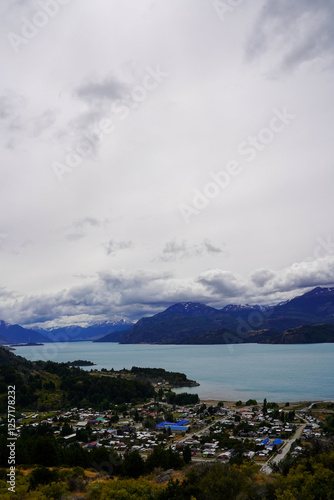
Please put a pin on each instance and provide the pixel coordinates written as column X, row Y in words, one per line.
column 187, row 454
column 56, row 491
column 74, row 455
column 66, row 430
column 133, row 464
column 99, row 458
column 41, row 475
column 264, row 409
column 114, row 419
column 212, row 410
column 169, row 417
column 178, row 490
column 45, row 451
column 125, row 489
column 251, row 402
column 83, row 435
column 329, row 427
column 164, row 459
column 49, row 386
column 149, row 423
column 136, row 416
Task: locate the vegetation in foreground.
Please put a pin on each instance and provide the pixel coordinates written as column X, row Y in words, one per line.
column 49, row 467
column 311, row 477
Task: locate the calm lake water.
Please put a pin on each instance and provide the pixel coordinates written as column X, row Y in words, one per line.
column 226, row 372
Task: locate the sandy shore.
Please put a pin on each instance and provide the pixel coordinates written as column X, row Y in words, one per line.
column 292, row 404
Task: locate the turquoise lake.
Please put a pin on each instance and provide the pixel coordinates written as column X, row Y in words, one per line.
column 225, row 372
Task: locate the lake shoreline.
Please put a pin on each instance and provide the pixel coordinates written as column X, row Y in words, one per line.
column 236, row 372
column 292, row 404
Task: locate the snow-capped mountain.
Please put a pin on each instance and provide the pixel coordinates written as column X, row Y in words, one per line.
column 75, row 333
column 15, row 334
column 186, row 322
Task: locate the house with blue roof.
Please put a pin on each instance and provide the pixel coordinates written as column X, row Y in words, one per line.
column 179, row 426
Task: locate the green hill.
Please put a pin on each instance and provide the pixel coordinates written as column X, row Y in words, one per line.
column 308, row 335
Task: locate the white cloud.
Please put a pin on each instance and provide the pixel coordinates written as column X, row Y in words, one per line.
column 215, row 86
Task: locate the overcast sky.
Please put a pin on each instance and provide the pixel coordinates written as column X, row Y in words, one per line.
column 162, row 151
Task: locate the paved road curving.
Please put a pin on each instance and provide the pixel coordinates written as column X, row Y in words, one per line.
column 297, row 435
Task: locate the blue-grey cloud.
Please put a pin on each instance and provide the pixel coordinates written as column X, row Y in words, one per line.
column 75, row 236
column 292, row 33
column 224, row 283
column 174, row 250
column 96, row 90
column 112, row 247
column 88, row 221
column 261, row 276
column 80, row 227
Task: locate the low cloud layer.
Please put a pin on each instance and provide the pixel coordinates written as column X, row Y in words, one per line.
column 132, row 295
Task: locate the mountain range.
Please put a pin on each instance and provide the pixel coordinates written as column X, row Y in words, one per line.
column 196, row 323
column 76, row 333
column 304, row 319
column 10, row 334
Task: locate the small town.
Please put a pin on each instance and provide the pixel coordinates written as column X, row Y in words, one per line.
column 210, row 431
